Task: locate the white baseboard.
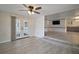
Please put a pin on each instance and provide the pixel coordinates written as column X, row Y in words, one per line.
column 5, row 41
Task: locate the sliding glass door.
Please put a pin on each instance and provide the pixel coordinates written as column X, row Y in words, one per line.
column 21, row 28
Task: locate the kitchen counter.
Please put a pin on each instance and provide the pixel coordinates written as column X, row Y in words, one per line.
column 73, row 29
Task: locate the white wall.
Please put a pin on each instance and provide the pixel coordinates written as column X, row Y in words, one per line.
column 31, row 25
column 5, row 27
column 39, row 26
column 36, row 25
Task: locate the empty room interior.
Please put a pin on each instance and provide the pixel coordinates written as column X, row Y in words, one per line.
column 39, row 28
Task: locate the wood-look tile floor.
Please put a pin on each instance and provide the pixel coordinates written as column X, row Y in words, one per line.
column 72, row 37
column 33, row 45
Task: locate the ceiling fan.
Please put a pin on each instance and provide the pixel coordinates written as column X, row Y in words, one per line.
column 31, row 9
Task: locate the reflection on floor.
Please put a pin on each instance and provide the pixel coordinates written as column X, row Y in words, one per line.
column 33, row 45
column 71, row 37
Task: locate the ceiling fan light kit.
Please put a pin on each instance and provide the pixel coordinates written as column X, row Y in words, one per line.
column 30, row 13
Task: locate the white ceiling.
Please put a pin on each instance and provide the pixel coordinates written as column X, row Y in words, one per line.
column 46, row 8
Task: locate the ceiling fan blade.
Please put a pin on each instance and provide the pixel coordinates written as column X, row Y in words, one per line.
column 36, row 12
column 37, row 8
column 22, row 10
column 24, row 5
